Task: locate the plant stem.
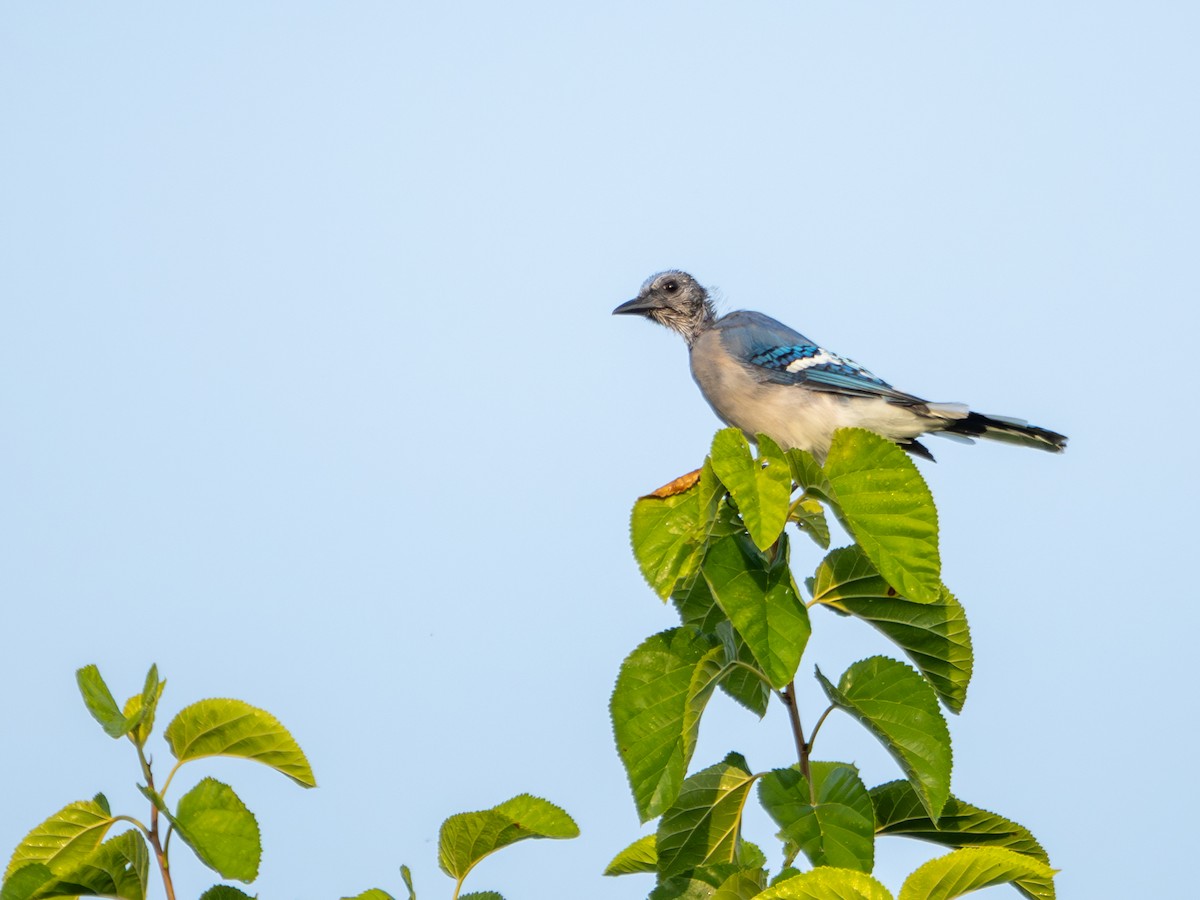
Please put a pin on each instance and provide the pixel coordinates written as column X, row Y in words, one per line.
column 159, row 854
column 802, row 746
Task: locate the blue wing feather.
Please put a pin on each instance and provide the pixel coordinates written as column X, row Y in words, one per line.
column 770, row 347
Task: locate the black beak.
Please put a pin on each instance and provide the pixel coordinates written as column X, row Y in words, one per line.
column 638, row 306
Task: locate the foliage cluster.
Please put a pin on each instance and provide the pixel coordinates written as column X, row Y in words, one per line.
column 716, row 548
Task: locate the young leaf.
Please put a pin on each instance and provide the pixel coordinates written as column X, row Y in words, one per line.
column 809, row 516
column 827, row 883
column 703, row 826
column 640, row 856
column 969, row 870
column 934, row 635
column 467, row 838
column 760, row 599
column 371, row 894
column 216, row 824
column 147, row 700
column 655, row 712
column 898, row 811
column 229, row 892
column 120, row 867
column 838, row 829
column 809, row 475
column 884, row 502
column 481, row 895
column 234, row 728
column 901, row 710
column 760, row 487
column 100, row 703
column 741, row 885
column 744, row 682
column 406, row 877
column 64, row 840
column 668, row 533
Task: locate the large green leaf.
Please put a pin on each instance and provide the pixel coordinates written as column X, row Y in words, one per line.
column 760, row 599
column 899, row 707
column 898, row 811
column 640, row 856
column 884, row 502
column 934, row 635
column 120, row 867
column 668, row 533
column 216, row 824
column 971, row 869
column 837, row 828
column 704, row 825
column 234, row 728
column 827, row 883
column 467, row 838
column 661, row 691
column 65, row 840
column 760, row 488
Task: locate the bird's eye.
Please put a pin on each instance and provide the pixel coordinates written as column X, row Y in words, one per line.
column 671, row 286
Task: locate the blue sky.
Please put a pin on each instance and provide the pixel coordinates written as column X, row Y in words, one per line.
column 311, row 394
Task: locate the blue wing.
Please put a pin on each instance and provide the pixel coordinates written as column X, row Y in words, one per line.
column 784, row 356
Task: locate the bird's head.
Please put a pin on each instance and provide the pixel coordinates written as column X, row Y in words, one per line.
column 674, row 299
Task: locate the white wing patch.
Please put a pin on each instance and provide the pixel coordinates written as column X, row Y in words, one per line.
column 822, row 358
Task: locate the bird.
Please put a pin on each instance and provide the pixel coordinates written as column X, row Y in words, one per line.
column 763, row 377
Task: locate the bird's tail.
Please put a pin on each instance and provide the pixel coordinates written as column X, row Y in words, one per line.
column 1012, row 431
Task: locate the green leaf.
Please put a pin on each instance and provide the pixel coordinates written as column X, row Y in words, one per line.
column 466, row 838
column 827, row 883
column 744, row 681
column 838, row 829
column 760, row 487
column 969, row 870
column 669, row 533
column 64, row 840
column 683, row 887
column 100, row 703
column 228, row 892
column 25, row 881
column 741, row 885
column 704, row 825
column 120, row 867
column 809, row 516
column 760, row 599
column 898, row 811
column 934, row 635
column 406, row 877
column 884, row 502
column 697, row 607
column 216, row 824
column 234, row 728
column 809, row 475
column 147, row 700
column 900, row 708
column 656, row 708
column 371, row 894
column 640, row 856
column 481, row 895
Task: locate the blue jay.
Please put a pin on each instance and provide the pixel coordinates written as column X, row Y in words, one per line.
column 762, row 377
